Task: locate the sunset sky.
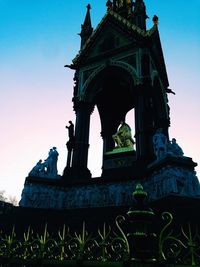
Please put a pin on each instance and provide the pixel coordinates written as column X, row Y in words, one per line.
column 39, row 37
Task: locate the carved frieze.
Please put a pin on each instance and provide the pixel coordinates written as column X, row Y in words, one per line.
column 167, row 180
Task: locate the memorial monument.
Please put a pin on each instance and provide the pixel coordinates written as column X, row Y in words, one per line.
column 120, row 67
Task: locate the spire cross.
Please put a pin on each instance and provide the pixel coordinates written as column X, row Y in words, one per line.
column 88, row 6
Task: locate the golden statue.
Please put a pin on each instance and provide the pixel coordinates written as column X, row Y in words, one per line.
column 123, row 137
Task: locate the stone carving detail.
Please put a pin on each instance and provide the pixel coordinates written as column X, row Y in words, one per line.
column 97, row 70
column 48, row 168
column 163, row 147
column 168, row 180
column 173, row 180
column 125, row 66
column 47, row 196
column 87, row 82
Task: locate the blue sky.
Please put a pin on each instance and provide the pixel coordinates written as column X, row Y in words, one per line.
column 38, row 37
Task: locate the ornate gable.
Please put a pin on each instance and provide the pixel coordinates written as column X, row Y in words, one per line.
column 113, row 33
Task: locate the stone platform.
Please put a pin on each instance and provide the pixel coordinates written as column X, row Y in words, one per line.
column 169, row 176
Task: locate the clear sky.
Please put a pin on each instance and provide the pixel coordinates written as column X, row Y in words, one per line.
column 37, row 38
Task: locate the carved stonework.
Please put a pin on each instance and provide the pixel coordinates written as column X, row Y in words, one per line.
column 118, row 162
column 165, row 181
column 173, row 180
column 131, row 60
column 44, row 196
column 126, row 67
column 87, row 73
column 88, row 81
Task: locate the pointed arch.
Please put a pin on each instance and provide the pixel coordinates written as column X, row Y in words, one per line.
column 88, row 88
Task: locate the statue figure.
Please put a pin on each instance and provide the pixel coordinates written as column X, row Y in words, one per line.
column 70, row 131
column 48, row 162
column 51, row 162
column 70, row 143
column 123, row 137
column 129, row 2
column 160, row 144
column 120, row 3
column 109, row 4
column 48, row 167
column 54, row 156
column 129, row 5
column 37, row 169
column 174, row 149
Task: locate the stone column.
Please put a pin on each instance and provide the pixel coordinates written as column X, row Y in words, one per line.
column 144, row 116
column 139, row 124
column 80, row 154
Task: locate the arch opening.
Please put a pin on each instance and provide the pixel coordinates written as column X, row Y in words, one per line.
column 112, row 92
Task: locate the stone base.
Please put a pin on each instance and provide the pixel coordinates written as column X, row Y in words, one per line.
column 120, row 162
column 171, row 176
column 119, row 158
column 76, row 174
column 117, row 150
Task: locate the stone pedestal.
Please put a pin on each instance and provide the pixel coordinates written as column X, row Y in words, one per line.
column 173, row 175
column 169, row 176
column 118, row 162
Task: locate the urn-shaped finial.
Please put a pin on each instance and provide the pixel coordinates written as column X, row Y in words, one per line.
column 141, row 237
column 139, row 194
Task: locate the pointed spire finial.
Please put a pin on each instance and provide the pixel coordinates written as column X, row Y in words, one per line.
column 87, row 21
column 155, row 20
column 88, row 6
column 86, row 27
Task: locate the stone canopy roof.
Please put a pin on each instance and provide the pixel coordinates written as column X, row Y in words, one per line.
column 125, row 23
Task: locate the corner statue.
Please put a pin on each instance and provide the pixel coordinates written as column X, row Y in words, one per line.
column 51, row 162
column 70, row 143
column 48, row 168
column 160, row 144
column 123, row 137
column 174, row 149
column 70, row 131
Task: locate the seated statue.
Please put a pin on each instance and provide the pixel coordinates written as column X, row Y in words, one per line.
column 174, row 149
column 123, row 137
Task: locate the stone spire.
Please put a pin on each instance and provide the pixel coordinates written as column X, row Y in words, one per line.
column 139, row 13
column 86, row 27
